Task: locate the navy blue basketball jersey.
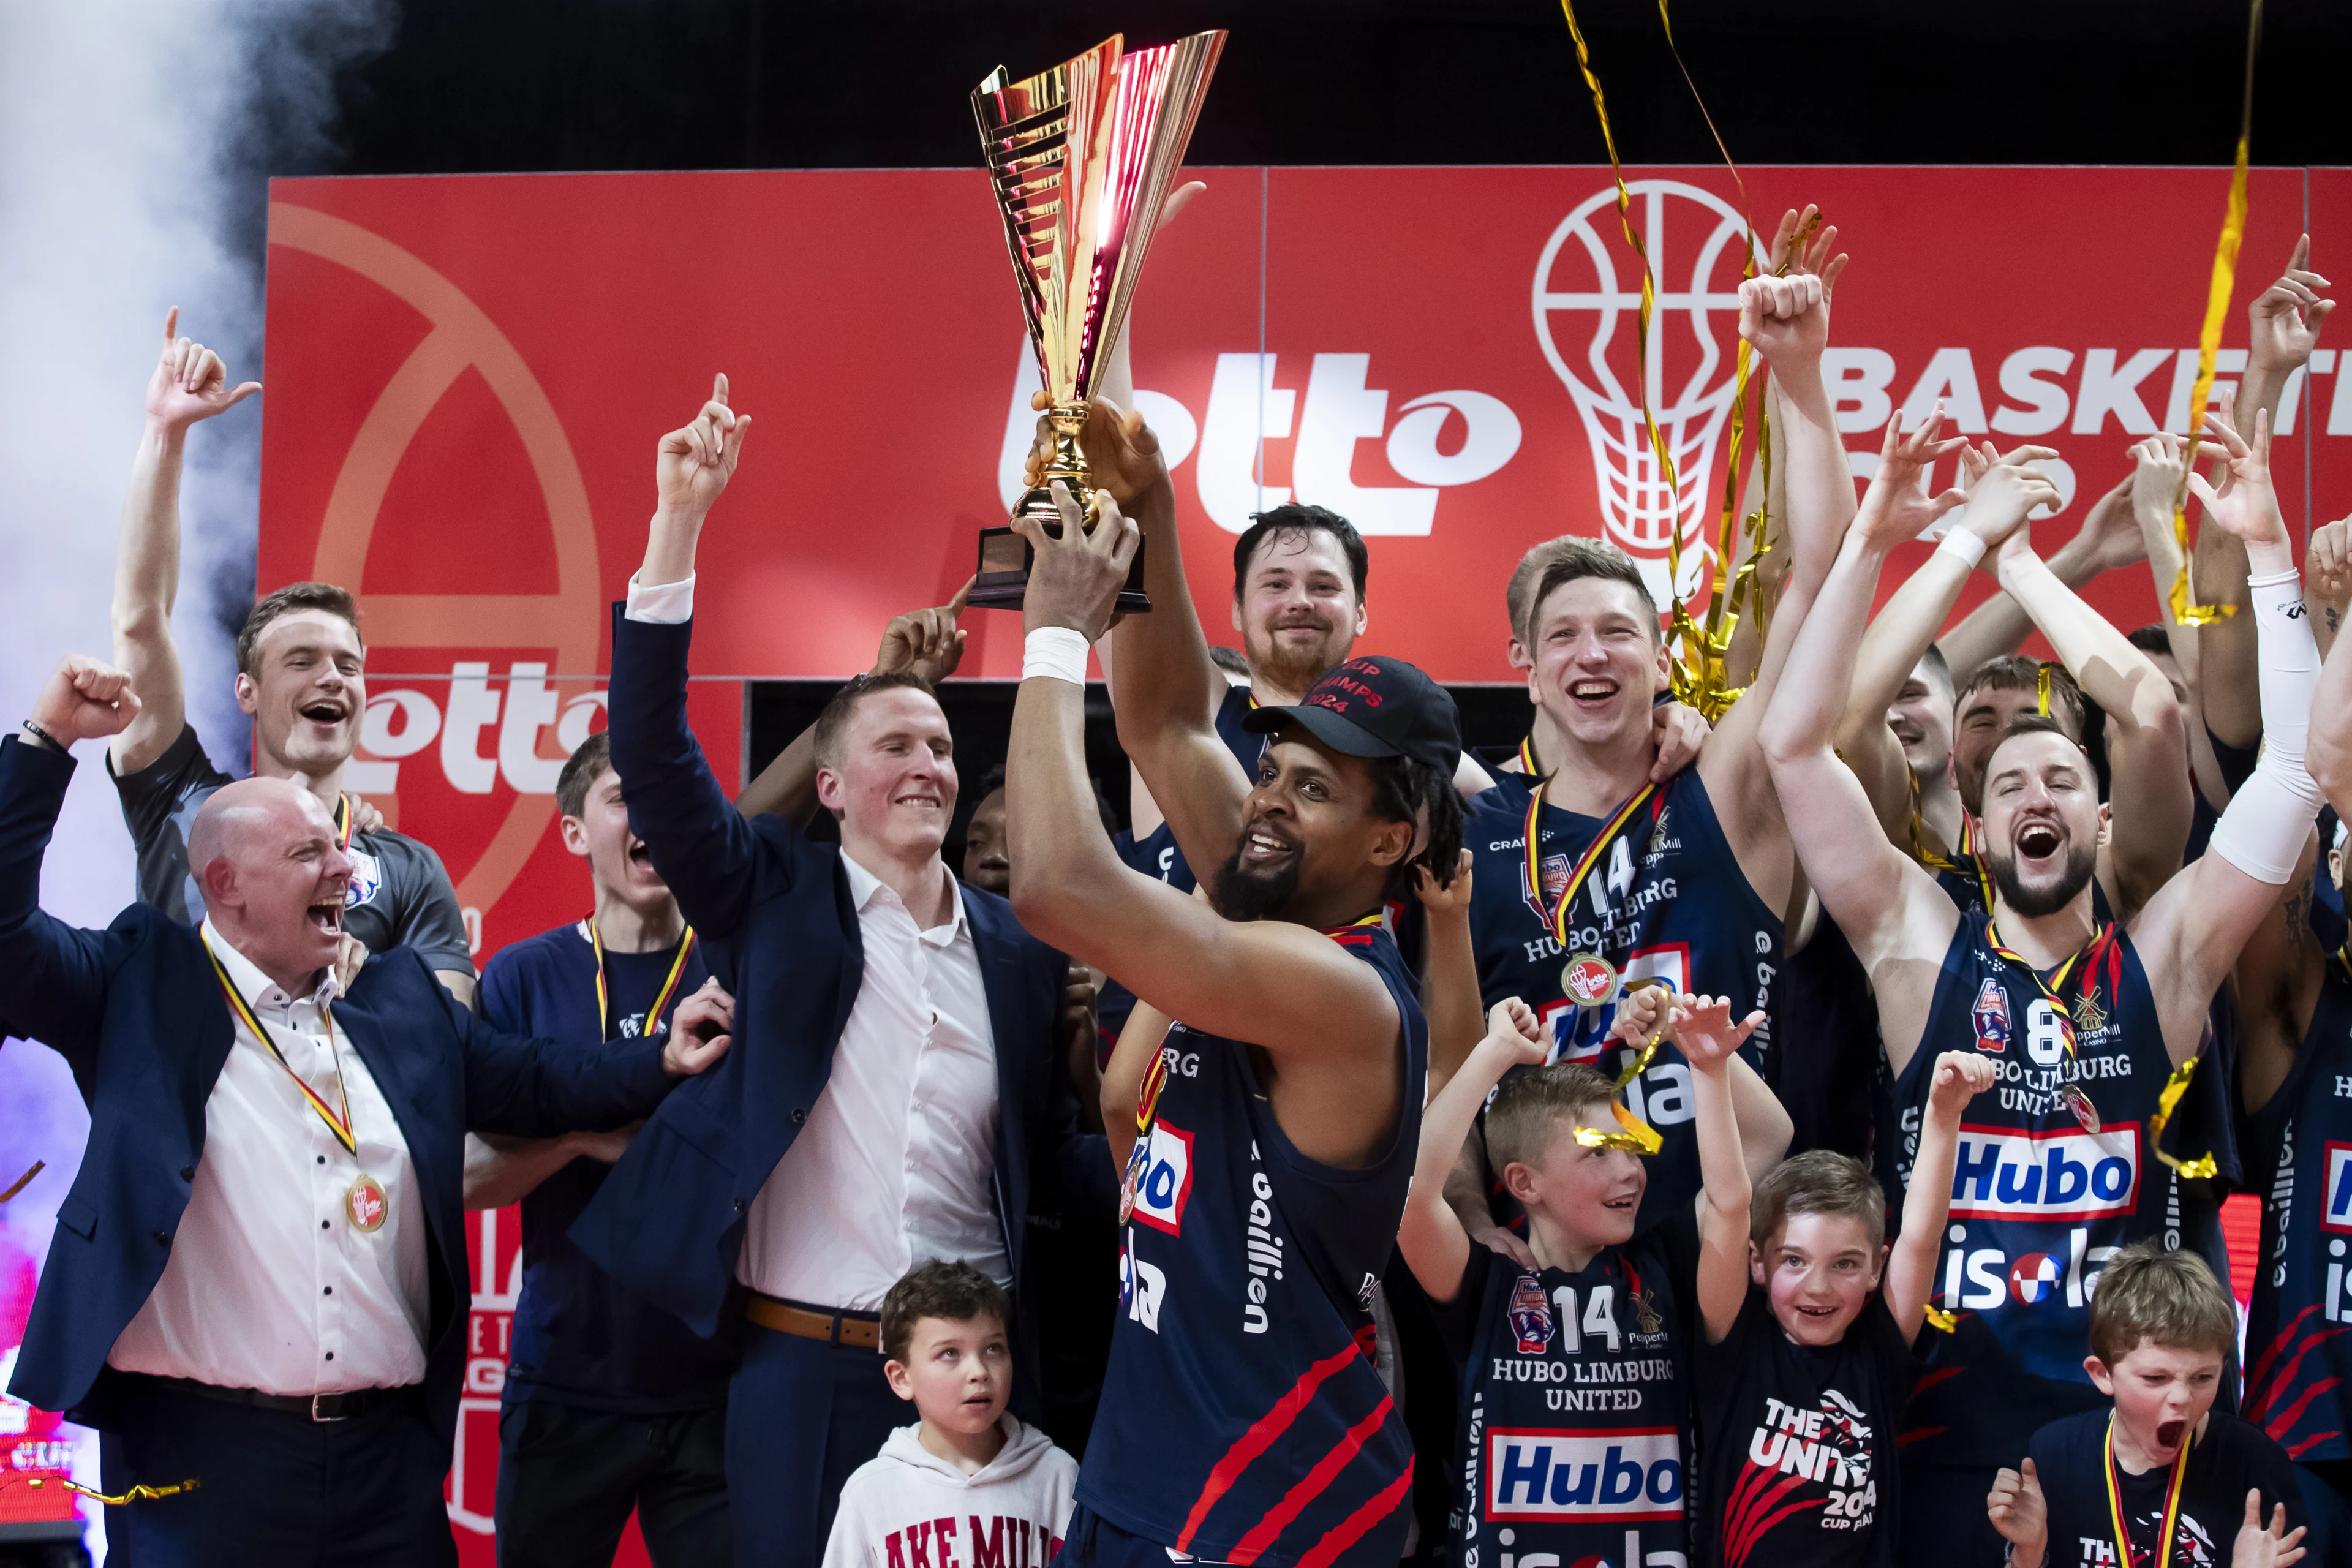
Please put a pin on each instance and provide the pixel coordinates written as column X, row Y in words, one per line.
column 2039, row 1202
column 1666, row 901
column 1242, row 1417
column 1575, row 1419
column 2299, row 1330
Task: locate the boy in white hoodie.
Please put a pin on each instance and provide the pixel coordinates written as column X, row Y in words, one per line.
column 968, row 1484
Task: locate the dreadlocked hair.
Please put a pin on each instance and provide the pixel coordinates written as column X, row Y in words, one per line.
column 1406, row 789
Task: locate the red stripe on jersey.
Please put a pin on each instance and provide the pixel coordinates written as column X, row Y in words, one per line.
column 1353, row 938
column 1257, row 1439
column 1350, row 1529
column 1310, row 1486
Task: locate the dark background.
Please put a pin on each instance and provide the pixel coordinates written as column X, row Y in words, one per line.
column 471, row 86
column 477, row 85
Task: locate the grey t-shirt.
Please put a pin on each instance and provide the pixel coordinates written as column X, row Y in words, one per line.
column 400, row 894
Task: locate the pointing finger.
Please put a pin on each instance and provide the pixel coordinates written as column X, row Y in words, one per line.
column 718, row 389
column 955, row 606
column 171, row 323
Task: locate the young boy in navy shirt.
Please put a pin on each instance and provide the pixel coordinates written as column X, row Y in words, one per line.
column 1802, row 1361
column 1574, row 1423
column 611, row 1405
column 2163, row 1477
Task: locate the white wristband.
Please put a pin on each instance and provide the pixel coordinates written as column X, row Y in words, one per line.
column 1969, row 547
column 1057, row 653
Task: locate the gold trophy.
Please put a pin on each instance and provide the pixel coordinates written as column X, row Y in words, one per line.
column 1081, row 157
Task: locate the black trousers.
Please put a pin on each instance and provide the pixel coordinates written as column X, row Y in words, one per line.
column 801, row 1415
column 276, row 1488
column 569, row 1478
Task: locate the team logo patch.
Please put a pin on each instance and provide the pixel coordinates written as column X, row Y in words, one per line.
column 367, row 877
column 2336, row 1213
column 1531, row 1316
column 1554, row 870
column 2034, row 1278
column 1990, row 1016
column 1647, row 1318
column 1164, row 1183
column 2090, row 1016
column 1597, row 1476
column 2064, row 1173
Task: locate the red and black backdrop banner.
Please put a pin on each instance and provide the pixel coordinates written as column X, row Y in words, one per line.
column 466, row 377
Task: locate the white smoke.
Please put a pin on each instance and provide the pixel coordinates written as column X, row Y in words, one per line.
column 135, row 136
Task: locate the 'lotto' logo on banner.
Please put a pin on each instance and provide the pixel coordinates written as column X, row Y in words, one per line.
column 2004, row 1173
column 1599, row 1475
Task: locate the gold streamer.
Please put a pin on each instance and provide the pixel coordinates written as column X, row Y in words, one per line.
column 2209, row 338
column 1941, row 1320
column 141, row 1493
column 2167, row 1101
column 1698, row 677
column 19, row 1184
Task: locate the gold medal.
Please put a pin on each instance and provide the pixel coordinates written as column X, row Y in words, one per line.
column 2079, row 1104
column 364, row 1204
column 1589, row 981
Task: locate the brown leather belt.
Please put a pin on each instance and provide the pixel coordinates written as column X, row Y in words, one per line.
column 860, row 1330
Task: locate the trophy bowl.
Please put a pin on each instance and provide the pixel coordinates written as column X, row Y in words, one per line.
column 1081, row 157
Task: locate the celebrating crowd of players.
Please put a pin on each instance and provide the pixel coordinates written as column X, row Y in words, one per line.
column 1794, row 1139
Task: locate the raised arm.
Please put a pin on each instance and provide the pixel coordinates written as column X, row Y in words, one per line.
column 1430, row 1235
column 1449, row 985
column 2191, row 931
column 1164, row 688
column 1961, row 1077
column 1889, row 909
column 1308, row 1003
column 2283, row 328
column 543, row 1088
column 53, row 976
column 2150, row 793
column 1899, row 635
column 705, row 851
column 1703, row 1032
column 189, row 384
column 928, row 642
column 2106, row 540
column 2327, row 581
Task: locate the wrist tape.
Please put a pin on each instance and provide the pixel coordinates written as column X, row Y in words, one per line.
column 1056, row 653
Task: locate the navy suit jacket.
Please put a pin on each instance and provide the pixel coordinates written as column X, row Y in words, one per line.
column 137, row 1012
column 668, row 1222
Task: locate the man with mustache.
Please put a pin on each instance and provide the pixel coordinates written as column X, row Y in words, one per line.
column 2064, row 1164
column 301, row 672
column 1278, row 1122
column 258, row 1282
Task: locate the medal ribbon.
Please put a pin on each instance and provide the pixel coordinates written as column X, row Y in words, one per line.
column 340, row 1126
column 1558, row 920
column 2042, row 690
column 2163, row 1554
column 2208, row 337
column 1919, row 850
column 1527, row 758
column 344, row 815
column 1975, row 862
column 661, row 998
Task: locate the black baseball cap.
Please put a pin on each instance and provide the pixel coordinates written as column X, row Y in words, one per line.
column 1374, row 706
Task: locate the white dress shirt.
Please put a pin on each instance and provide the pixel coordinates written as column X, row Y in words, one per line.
column 895, row 1165
column 268, row 1285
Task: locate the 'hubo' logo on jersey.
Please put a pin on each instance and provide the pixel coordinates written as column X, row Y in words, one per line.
column 1165, row 1184
column 2337, row 1213
column 1990, row 1016
column 367, row 878
column 1596, row 1476
column 2066, row 1174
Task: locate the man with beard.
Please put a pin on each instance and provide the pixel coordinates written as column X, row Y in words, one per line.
column 301, row 672
column 2088, row 1020
column 1277, row 1129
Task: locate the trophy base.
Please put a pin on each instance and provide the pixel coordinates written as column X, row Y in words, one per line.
column 1003, row 577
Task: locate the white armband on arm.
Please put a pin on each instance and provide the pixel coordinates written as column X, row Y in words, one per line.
column 2270, row 815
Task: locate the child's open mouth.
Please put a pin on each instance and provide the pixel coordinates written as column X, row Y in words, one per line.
column 2167, row 1433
